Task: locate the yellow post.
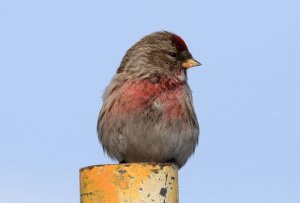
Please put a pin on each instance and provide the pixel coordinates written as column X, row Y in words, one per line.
column 132, row 183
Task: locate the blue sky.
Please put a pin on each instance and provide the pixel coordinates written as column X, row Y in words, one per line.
column 56, row 58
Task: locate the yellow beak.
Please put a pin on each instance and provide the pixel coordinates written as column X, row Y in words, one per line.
column 188, row 63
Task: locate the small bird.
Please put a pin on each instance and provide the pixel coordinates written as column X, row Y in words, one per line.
column 147, row 113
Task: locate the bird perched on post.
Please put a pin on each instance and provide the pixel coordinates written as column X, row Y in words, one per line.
column 147, row 113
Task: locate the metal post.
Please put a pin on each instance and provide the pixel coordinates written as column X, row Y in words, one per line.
column 132, row 183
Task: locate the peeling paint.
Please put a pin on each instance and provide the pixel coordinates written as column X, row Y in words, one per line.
column 134, row 183
column 163, row 191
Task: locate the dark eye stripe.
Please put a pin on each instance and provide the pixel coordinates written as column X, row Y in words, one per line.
column 173, row 54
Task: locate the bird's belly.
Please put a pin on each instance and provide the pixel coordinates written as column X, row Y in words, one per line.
column 161, row 142
column 163, row 132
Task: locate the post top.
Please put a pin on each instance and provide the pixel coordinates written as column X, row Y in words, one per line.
column 144, row 164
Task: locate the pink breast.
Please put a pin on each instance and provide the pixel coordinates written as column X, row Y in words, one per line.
column 138, row 96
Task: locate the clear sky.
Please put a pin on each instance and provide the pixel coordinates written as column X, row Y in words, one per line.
column 56, row 58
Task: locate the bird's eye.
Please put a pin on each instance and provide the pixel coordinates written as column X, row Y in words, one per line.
column 173, row 54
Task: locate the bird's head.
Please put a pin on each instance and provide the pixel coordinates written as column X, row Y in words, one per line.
column 162, row 53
